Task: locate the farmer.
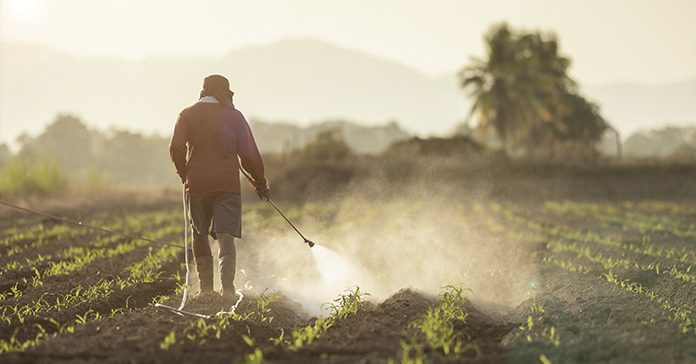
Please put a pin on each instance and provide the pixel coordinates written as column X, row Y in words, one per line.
column 208, row 138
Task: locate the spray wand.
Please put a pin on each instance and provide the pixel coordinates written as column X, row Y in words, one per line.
column 253, row 183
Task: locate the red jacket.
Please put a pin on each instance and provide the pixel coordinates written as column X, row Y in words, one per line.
column 207, row 139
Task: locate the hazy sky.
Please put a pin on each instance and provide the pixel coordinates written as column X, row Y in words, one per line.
column 644, row 41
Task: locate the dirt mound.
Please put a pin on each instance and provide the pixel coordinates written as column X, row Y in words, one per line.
column 374, row 334
column 487, row 333
column 371, row 335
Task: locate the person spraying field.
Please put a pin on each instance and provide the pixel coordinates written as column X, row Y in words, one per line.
column 210, row 141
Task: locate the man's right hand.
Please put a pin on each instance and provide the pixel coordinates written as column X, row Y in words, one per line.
column 262, row 189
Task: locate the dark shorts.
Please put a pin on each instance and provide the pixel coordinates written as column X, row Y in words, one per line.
column 214, row 214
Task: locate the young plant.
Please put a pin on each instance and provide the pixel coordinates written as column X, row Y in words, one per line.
column 435, row 330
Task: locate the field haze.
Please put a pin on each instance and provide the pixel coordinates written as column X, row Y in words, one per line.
column 298, row 80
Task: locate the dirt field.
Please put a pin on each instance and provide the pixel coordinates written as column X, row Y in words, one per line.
column 562, row 282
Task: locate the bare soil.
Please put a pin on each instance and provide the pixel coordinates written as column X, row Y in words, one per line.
column 593, row 319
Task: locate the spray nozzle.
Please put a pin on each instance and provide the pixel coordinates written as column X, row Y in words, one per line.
column 268, row 199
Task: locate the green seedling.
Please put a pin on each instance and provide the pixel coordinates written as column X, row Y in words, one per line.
column 434, row 331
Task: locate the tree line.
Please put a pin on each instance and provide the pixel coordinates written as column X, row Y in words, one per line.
column 117, row 156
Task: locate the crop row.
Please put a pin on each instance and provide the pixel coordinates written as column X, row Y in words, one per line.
column 575, row 242
column 133, row 224
column 33, row 228
column 146, row 271
column 35, row 237
column 683, row 256
column 39, row 235
column 679, row 312
column 564, row 264
column 609, row 263
column 97, row 290
column 78, row 257
column 660, row 207
column 620, row 216
column 63, row 257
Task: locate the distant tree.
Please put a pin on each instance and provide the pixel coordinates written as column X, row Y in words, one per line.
column 66, row 140
column 283, row 138
column 5, row 153
column 581, row 120
column 133, row 158
column 523, row 92
column 327, row 146
column 661, row 143
column 685, row 151
column 120, row 156
column 578, row 121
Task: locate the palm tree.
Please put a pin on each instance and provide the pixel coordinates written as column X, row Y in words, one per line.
column 489, row 84
column 519, row 86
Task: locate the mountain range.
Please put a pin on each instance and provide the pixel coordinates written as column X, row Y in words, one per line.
column 302, row 81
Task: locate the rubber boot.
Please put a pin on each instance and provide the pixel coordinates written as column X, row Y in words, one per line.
column 204, row 266
column 228, row 266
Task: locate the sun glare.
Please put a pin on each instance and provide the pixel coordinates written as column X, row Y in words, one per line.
column 22, row 10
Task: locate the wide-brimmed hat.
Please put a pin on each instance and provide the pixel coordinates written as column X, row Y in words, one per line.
column 218, row 87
